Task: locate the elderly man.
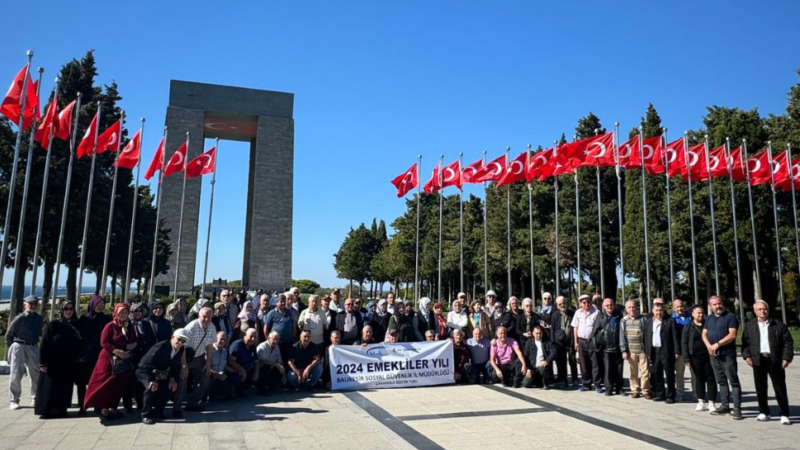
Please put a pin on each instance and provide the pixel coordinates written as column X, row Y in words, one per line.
column 507, row 360
column 662, row 347
column 197, row 355
column 22, row 342
column 366, row 336
column 583, row 323
column 563, row 336
column 282, row 321
column 462, row 358
column 349, row 323
column 221, row 385
column 313, row 320
column 231, row 309
column 243, row 359
column 336, row 300
column 719, row 335
column 605, row 337
column 539, row 355
column 297, row 303
column 488, row 307
column 273, row 372
column 632, row 347
column 768, row 347
column 158, row 372
column 304, row 363
column 479, row 348
column 682, row 318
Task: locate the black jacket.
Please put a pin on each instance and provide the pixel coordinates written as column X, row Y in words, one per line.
column 689, row 338
column 522, row 324
column 340, row 322
column 530, row 352
column 158, row 358
column 781, row 344
column 669, row 337
column 604, row 337
column 562, row 336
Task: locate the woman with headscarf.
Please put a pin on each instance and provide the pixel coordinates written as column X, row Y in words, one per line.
column 176, row 314
column 246, row 316
column 423, row 320
column 479, row 319
column 61, row 345
column 161, row 326
column 380, row 321
column 194, row 313
column 114, row 368
column 371, row 306
column 400, row 324
column 146, row 339
column 457, row 319
column 221, row 322
column 90, row 327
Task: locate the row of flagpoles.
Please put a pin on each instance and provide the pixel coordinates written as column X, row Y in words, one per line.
column 21, row 106
column 653, row 156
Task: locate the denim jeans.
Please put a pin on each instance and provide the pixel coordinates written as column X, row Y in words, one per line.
column 725, row 371
column 313, row 377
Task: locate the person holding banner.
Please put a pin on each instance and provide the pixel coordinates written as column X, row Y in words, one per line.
column 304, row 361
column 508, row 362
column 366, row 336
column 401, row 324
column 335, row 340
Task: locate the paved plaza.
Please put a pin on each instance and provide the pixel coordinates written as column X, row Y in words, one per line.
column 444, row 417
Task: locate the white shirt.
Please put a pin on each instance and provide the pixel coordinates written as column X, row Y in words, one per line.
column 458, row 321
column 763, row 331
column 656, row 333
column 539, row 353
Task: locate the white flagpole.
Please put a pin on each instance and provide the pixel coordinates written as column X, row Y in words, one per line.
column 619, row 211
column 743, row 156
column 530, row 225
column 88, row 208
column 128, row 268
column 461, row 222
column 713, row 225
column 210, row 212
column 152, row 283
column 555, row 222
column 691, row 214
column 111, row 208
column 416, row 260
column 508, row 221
column 669, row 216
column 646, row 299
column 180, row 224
column 729, row 165
column 600, row 228
column 43, row 199
column 485, row 232
column 578, row 276
column 777, row 237
column 13, row 176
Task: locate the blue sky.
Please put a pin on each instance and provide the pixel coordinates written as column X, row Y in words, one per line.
column 378, row 82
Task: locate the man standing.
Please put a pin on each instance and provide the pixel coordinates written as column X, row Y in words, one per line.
column 22, row 342
column 297, row 304
column 632, row 347
column 583, row 323
column 336, row 300
column 231, row 309
column 313, row 320
column 390, row 303
column 488, row 307
column 681, row 318
column 605, row 337
column 662, row 347
column 349, row 323
column 197, row 351
column 719, row 335
column 281, row 320
column 563, row 335
column 768, row 347
column 158, row 371
column 546, row 310
column 305, row 363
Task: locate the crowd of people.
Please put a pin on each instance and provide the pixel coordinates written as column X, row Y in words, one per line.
column 151, row 354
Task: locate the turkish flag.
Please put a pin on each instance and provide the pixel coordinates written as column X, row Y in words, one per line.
column 177, row 161
column 759, row 168
column 785, row 184
column 695, row 162
column 536, row 162
column 653, row 153
column 10, row 106
column 129, row 156
column 716, row 160
column 45, row 129
column 406, row 181
column 675, row 158
column 492, row 171
column 469, row 172
column 737, row 168
column 109, row 139
column 515, row 171
column 202, row 165
column 599, row 151
column 433, row 185
column 626, row 152
column 87, row 143
column 452, row 175
column 557, row 164
column 158, row 160
column 64, row 125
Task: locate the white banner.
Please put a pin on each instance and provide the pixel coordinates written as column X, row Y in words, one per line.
column 379, row 366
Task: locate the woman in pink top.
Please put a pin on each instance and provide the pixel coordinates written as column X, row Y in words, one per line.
column 507, row 360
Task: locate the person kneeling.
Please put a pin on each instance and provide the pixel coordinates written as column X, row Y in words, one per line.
column 244, row 360
column 507, row 361
column 304, row 362
column 158, row 371
column 539, row 356
column 273, row 374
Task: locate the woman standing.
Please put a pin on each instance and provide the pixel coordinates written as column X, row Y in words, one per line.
column 113, row 370
column 440, row 329
column 695, row 355
column 527, row 320
column 423, row 320
column 90, row 326
column 479, row 319
column 457, row 319
column 401, row 325
column 61, row 345
column 221, row 322
column 380, row 321
column 245, row 317
column 160, row 324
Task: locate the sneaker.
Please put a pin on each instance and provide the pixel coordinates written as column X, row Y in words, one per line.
column 14, row 406
column 148, row 421
column 635, row 395
column 712, row 408
column 721, row 411
column 785, row 421
column 581, row 388
column 737, row 414
column 609, row 393
column 763, row 418
column 700, row 407
column 599, row 390
column 670, row 400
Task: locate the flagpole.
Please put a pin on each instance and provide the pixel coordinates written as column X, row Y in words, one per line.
column 790, row 169
column 461, row 223
column 555, row 191
column 13, row 176
column 691, row 216
column 530, row 226
column 88, row 206
column 210, row 212
column 619, row 211
column 600, row 227
column 777, row 237
column 746, row 167
column 577, row 226
column 42, row 200
column 485, row 232
column 508, row 223
column 127, row 289
column 111, row 208
column 416, row 259
column 644, row 206
column 16, row 289
column 713, row 225
column 439, row 177
column 180, row 224
column 151, row 290
column 735, row 229
column 65, row 208
column 669, row 216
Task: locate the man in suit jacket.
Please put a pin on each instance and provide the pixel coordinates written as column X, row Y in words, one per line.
column 349, row 323
column 539, row 355
column 661, row 345
column 159, row 370
column 561, row 334
column 768, row 347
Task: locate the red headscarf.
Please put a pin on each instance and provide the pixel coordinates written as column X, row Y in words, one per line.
column 117, row 308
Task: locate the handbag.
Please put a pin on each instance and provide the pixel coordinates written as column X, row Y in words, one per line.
column 120, row 366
